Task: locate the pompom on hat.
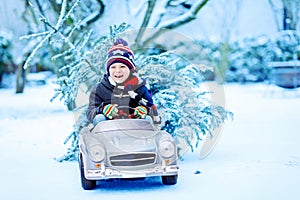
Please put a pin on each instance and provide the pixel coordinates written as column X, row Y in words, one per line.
column 120, row 53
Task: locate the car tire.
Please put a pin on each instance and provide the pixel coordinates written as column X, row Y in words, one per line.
column 169, row 180
column 85, row 183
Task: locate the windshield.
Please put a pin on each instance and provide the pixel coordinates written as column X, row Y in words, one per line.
column 124, row 125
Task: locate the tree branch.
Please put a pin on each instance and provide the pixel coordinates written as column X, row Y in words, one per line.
column 98, row 15
column 274, row 14
column 162, row 12
column 151, row 4
column 41, row 11
column 181, row 20
column 185, row 18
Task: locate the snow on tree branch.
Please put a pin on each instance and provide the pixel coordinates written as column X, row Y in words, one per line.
column 186, row 17
column 178, row 21
column 62, row 17
column 37, row 47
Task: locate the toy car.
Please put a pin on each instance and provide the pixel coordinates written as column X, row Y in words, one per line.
column 126, row 148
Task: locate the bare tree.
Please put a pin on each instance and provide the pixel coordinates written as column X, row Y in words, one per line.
column 163, row 15
column 287, row 11
column 226, row 13
column 165, row 19
column 37, row 11
column 291, row 10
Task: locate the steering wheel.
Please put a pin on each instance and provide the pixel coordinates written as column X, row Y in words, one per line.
column 123, row 112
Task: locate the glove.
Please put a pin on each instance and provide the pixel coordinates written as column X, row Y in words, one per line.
column 110, row 111
column 140, row 112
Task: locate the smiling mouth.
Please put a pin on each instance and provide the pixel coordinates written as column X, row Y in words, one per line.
column 118, row 76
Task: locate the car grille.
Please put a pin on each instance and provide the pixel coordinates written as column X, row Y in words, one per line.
column 136, row 159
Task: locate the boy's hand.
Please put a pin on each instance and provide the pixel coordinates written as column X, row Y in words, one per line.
column 110, row 111
column 140, row 112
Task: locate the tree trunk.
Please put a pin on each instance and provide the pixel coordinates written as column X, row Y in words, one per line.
column 1, row 75
column 145, row 23
column 288, row 22
column 71, row 105
column 223, row 63
column 21, row 79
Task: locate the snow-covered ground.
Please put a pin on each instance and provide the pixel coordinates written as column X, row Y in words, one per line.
column 257, row 157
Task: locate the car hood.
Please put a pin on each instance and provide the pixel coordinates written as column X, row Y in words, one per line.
column 124, row 136
column 129, row 141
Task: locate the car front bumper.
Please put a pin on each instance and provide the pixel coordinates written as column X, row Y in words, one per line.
column 107, row 173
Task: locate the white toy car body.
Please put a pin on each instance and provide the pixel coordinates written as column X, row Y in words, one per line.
column 126, row 148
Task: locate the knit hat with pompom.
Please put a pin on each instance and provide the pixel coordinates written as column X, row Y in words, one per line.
column 120, row 53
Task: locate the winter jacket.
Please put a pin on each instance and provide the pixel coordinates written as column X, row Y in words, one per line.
column 132, row 93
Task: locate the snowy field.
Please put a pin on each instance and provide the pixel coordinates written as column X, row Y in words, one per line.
column 257, row 157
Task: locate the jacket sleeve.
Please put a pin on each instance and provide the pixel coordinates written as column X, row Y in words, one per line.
column 144, row 97
column 146, row 100
column 95, row 104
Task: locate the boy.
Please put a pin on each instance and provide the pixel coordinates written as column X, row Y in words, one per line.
column 121, row 86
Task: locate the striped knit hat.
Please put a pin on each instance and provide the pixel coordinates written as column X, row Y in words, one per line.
column 120, row 53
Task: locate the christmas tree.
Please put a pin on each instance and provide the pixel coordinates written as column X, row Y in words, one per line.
column 187, row 112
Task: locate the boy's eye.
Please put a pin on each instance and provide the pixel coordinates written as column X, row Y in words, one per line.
column 123, row 66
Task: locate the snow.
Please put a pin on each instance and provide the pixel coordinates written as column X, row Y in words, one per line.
column 257, row 157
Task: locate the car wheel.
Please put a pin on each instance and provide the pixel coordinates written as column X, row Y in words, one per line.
column 169, row 180
column 85, row 183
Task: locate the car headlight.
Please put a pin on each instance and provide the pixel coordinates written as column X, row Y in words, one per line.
column 167, row 149
column 97, row 153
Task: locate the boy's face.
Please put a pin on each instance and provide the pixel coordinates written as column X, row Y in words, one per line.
column 119, row 72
